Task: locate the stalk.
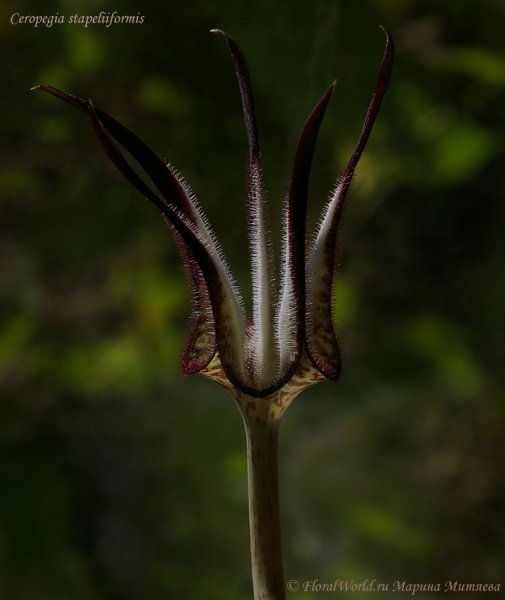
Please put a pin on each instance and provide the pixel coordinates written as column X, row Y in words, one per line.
column 262, row 419
column 264, row 516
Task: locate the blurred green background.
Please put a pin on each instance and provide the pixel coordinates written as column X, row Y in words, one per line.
column 120, row 480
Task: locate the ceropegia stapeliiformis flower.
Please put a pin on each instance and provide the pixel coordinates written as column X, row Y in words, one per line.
column 289, row 342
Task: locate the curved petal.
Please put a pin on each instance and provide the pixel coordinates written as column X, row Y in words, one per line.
column 291, row 312
column 202, row 264
column 178, row 207
column 263, row 346
column 320, row 337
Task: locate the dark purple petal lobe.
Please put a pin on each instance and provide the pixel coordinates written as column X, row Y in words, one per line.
column 207, row 269
column 264, row 348
column 291, row 313
column 206, row 279
column 320, row 338
column 201, row 343
column 244, row 82
column 171, row 189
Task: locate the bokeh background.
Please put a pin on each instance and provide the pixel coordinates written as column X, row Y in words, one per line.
column 119, row 480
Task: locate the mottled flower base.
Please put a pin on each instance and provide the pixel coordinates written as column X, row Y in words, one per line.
column 271, row 407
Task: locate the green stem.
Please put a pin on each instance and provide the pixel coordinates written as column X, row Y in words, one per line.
column 264, row 518
column 262, row 417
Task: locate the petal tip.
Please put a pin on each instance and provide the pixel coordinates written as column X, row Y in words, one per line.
column 386, row 32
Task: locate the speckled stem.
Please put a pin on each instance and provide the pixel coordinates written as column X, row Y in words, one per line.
column 264, row 517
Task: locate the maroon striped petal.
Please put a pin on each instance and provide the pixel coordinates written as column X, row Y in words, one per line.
column 204, row 259
column 264, row 354
column 320, row 337
column 291, row 312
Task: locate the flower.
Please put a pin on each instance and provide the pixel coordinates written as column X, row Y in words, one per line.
column 289, row 341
